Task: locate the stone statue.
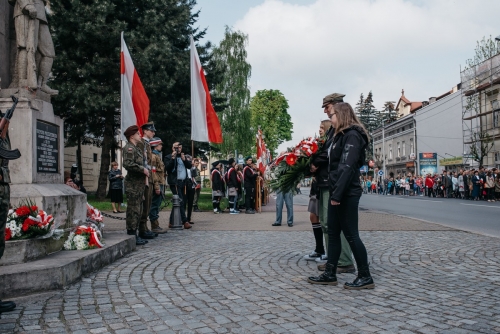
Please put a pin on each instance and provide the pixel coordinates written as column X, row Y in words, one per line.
column 35, row 49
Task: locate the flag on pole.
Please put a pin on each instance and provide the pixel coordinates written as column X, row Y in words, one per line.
column 205, row 126
column 134, row 100
column 262, row 153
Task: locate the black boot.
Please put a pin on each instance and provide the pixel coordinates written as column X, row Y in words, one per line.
column 363, row 281
column 329, row 277
column 7, row 306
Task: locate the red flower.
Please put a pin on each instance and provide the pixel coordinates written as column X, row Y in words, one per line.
column 314, row 147
column 8, row 234
column 34, row 208
column 23, row 211
column 291, row 159
column 26, row 225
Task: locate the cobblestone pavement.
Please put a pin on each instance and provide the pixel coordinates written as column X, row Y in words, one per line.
column 255, row 282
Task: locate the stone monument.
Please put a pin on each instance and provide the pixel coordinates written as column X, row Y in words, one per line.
column 25, row 65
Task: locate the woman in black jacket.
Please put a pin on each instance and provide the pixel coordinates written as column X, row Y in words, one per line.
column 346, row 156
column 217, row 186
column 115, row 187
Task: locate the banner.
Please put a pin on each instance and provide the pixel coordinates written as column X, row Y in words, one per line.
column 427, row 163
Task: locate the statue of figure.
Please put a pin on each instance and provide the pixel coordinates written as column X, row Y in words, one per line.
column 35, row 49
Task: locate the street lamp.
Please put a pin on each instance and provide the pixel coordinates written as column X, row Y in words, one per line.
column 498, row 40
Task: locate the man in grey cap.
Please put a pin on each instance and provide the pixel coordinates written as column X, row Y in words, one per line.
column 319, row 166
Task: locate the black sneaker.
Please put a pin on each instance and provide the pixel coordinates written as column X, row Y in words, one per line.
column 275, row 224
column 313, row 256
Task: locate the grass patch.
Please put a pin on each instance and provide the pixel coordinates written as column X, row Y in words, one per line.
column 204, row 202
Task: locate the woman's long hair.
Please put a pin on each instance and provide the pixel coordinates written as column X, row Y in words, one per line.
column 346, row 118
column 327, row 124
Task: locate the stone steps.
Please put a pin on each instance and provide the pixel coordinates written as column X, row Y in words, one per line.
column 60, row 269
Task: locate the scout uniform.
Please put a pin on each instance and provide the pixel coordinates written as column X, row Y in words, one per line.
column 148, row 191
column 158, row 184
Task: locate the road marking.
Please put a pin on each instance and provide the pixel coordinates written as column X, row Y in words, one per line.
column 427, row 200
column 488, row 206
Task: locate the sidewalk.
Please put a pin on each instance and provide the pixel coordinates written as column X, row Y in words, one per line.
column 231, row 274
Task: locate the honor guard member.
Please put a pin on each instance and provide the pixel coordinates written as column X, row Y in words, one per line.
column 158, row 169
column 135, row 181
column 5, row 306
column 232, row 186
column 148, row 129
column 249, row 179
column 320, row 162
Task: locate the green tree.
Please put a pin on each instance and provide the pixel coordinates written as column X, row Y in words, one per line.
column 388, row 113
column 87, row 69
column 269, row 111
column 485, row 49
column 230, row 58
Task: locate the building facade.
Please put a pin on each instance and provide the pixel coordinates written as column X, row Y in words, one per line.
column 481, row 112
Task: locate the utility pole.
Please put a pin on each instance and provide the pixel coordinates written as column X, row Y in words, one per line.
column 383, row 147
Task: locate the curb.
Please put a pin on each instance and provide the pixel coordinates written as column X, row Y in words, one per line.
column 60, row 269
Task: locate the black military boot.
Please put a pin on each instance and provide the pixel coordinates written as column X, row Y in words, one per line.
column 146, row 235
column 7, row 306
column 363, row 281
column 329, row 277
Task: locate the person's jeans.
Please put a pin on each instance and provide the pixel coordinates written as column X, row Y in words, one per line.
column 154, row 212
column 178, row 189
column 344, row 218
column 288, row 200
column 190, row 191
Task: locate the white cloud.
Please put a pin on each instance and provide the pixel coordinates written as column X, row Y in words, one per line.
column 354, row 46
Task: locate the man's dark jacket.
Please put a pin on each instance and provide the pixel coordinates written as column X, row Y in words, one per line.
column 232, row 178
column 171, row 168
column 347, row 155
column 320, row 160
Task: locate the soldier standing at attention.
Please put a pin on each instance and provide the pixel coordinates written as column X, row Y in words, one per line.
column 159, row 184
column 5, row 306
column 135, row 181
column 249, row 178
column 149, row 131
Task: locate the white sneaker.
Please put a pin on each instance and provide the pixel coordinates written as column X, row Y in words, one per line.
column 322, row 259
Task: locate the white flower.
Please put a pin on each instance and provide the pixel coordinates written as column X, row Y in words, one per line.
column 80, row 242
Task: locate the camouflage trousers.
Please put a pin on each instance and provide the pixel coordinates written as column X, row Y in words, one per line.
column 4, row 210
column 146, row 207
column 135, row 195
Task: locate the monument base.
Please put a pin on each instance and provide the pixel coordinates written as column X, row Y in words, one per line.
column 64, row 203
column 22, row 251
column 23, row 92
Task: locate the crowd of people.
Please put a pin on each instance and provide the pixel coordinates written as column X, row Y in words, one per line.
column 474, row 184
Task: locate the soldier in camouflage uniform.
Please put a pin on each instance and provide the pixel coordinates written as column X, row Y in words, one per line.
column 159, row 184
column 135, row 181
column 148, row 130
column 5, row 306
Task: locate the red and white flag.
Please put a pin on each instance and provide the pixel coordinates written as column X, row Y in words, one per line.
column 262, row 153
column 205, row 126
column 134, row 100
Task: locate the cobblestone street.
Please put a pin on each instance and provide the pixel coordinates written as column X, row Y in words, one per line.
column 214, row 281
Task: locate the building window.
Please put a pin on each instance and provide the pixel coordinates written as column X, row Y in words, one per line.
column 497, row 157
column 399, row 150
column 495, row 106
column 404, row 149
column 390, row 151
column 411, row 146
column 95, row 157
column 403, row 128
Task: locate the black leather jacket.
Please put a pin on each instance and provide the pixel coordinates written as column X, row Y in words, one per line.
column 347, row 155
column 320, row 160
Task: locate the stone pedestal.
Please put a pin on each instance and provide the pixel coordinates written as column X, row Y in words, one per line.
column 38, row 174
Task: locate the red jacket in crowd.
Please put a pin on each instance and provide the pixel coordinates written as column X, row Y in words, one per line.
column 429, row 182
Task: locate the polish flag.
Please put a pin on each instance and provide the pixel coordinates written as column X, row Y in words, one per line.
column 134, row 100
column 205, row 126
column 262, row 153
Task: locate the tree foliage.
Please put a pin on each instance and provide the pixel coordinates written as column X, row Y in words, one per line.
column 87, row 68
column 230, row 59
column 485, row 49
column 269, row 111
column 388, row 113
column 481, row 145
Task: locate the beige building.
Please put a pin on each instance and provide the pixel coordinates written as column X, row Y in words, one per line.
column 91, row 163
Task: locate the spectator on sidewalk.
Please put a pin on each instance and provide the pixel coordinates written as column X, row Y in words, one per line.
column 476, row 186
column 115, row 187
column 287, row 199
column 195, row 174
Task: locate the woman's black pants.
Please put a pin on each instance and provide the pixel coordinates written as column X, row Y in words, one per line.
column 344, row 217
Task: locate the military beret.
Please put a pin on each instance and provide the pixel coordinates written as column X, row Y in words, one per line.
column 155, row 142
column 332, row 98
column 131, row 130
column 248, row 158
column 230, row 161
column 149, row 126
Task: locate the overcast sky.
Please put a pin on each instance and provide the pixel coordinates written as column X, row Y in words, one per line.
column 310, row 48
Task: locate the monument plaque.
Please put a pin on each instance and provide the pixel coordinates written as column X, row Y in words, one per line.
column 47, row 147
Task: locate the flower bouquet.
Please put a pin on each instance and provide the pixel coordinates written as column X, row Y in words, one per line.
column 292, row 166
column 26, row 221
column 84, row 237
